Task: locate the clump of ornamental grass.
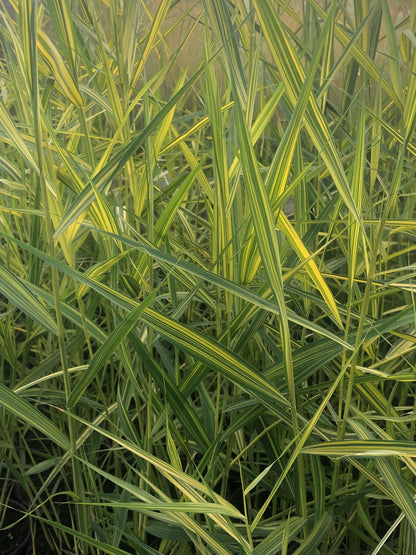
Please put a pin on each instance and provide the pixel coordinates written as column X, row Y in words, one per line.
column 207, row 331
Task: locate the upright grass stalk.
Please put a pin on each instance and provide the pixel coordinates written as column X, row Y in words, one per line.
column 29, row 23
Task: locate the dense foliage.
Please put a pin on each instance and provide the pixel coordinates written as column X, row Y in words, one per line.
column 207, row 331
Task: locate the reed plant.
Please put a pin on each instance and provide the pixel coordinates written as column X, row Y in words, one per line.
column 207, row 331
